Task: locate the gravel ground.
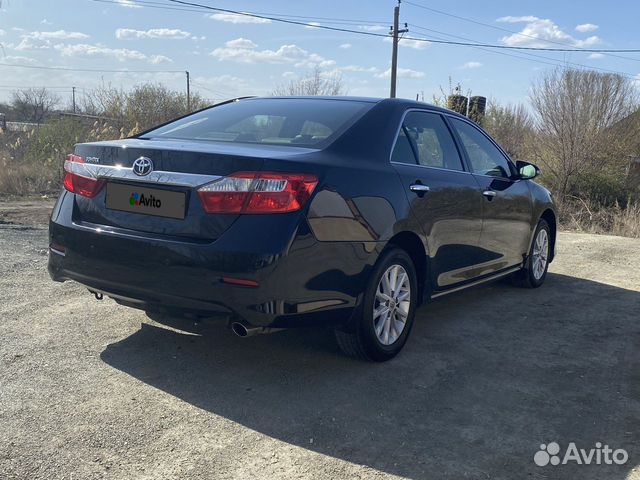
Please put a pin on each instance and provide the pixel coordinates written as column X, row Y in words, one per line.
column 91, row 389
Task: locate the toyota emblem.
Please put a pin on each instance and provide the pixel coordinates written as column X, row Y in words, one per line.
column 142, row 166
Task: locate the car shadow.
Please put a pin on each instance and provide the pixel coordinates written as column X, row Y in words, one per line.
column 487, row 376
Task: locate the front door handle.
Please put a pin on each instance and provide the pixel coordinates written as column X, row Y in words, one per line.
column 489, row 194
column 419, row 188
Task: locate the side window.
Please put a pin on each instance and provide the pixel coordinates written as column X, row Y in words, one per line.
column 432, row 141
column 403, row 152
column 483, row 155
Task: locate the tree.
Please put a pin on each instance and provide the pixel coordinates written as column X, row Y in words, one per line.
column 315, row 83
column 142, row 107
column 511, row 126
column 34, row 104
column 580, row 127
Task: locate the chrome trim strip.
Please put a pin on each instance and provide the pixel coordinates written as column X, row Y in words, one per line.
column 478, row 282
column 117, row 172
column 57, row 252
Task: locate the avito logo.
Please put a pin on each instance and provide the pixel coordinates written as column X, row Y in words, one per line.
column 144, row 200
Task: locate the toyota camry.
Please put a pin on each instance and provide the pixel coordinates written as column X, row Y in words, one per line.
column 284, row 212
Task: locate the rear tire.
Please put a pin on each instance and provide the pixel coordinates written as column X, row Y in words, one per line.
column 535, row 269
column 388, row 310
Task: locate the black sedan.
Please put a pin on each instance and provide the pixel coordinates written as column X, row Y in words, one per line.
column 284, row 212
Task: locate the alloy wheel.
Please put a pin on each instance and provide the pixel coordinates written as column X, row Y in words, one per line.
column 392, row 303
column 540, row 253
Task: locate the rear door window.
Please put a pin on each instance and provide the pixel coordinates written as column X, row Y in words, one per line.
column 430, row 141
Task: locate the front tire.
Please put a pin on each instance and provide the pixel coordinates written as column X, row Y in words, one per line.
column 535, row 269
column 388, row 310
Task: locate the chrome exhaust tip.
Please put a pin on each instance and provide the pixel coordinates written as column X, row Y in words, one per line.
column 239, row 329
column 243, row 331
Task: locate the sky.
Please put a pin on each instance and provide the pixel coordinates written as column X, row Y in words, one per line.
column 232, row 55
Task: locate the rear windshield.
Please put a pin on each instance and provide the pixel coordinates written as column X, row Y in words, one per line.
column 274, row 121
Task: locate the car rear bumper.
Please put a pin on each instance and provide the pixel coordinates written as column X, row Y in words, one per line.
column 300, row 281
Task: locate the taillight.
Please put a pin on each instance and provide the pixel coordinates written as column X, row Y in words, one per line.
column 78, row 180
column 258, row 192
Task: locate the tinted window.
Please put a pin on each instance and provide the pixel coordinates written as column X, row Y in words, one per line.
column 431, row 140
column 302, row 122
column 485, row 158
column 402, row 152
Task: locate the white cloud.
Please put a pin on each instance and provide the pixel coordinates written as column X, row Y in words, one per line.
column 242, row 50
column 471, row 65
column 402, row 73
column 540, row 32
column 84, row 50
column 237, row 18
column 127, row 3
column 2, row 32
column 358, row 68
column 166, row 33
column 28, row 43
column 510, row 19
column 345, row 46
column 596, row 56
column 586, row 27
column 43, row 40
column 406, row 42
column 44, row 21
column 19, row 59
column 289, row 75
column 373, row 28
column 159, row 59
column 57, row 35
column 240, row 43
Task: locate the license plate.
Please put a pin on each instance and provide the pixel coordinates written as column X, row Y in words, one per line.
column 147, row 201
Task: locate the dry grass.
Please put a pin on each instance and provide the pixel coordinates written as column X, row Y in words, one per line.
column 31, row 163
column 582, row 215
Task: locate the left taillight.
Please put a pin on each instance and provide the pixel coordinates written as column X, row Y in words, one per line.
column 258, row 192
column 78, row 180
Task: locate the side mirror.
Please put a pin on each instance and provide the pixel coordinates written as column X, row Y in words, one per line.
column 527, row 170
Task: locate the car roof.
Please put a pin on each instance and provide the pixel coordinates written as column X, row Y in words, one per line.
column 389, row 101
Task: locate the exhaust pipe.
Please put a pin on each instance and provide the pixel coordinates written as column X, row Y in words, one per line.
column 242, row 330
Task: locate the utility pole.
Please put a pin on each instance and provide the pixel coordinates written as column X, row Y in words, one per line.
column 395, row 31
column 73, row 98
column 188, row 92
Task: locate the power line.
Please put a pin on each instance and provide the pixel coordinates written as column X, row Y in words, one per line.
column 103, row 70
column 547, row 60
column 39, row 86
column 332, row 20
column 430, row 40
column 211, row 90
column 502, row 29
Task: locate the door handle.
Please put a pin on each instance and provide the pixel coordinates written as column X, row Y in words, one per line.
column 419, row 188
column 489, row 194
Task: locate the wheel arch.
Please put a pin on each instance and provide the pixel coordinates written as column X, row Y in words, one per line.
column 411, row 243
column 550, row 217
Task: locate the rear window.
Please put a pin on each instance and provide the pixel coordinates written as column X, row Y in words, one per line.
column 281, row 121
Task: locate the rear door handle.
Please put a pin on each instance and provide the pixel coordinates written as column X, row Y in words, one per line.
column 419, row 188
column 489, row 194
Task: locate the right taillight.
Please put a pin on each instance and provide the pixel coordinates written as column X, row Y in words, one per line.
column 258, row 192
column 77, row 180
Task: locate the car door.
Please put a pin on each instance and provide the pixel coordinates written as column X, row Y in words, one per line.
column 507, row 209
column 445, row 200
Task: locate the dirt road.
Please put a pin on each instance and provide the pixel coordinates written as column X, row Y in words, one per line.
column 90, row 389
